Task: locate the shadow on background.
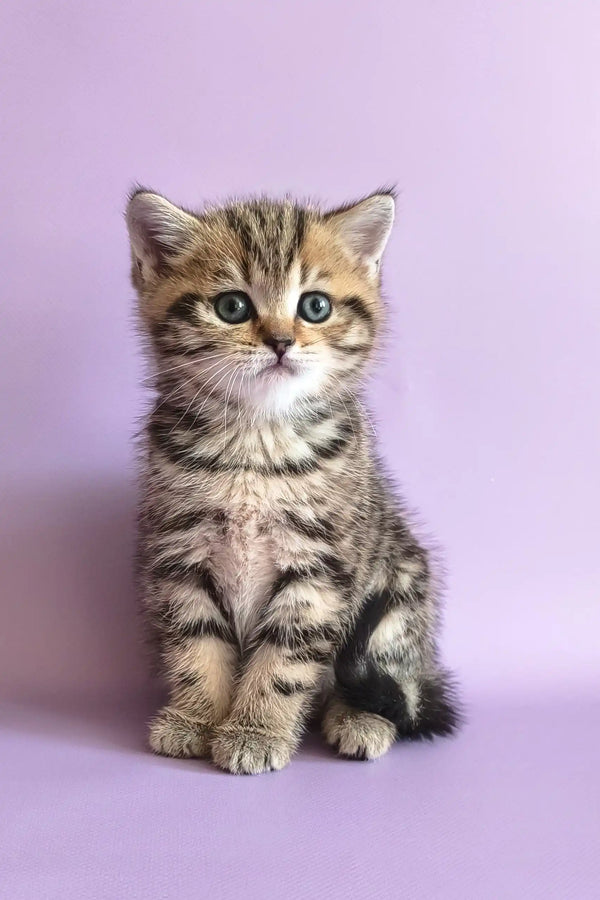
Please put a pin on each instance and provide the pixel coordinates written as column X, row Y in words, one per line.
column 70, row 627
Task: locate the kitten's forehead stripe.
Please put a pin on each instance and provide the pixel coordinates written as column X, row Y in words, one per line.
column 226, row 272
column 270, row 234
column 304, row 271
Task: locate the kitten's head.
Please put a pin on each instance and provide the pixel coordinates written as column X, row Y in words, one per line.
column 268, row 303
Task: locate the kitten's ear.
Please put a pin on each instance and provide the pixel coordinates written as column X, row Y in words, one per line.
column 365, row 227
column 158, row 231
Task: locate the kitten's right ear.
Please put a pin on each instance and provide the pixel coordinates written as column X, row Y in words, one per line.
column 158, row 231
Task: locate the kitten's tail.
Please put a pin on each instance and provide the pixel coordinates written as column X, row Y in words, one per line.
column 421, row 707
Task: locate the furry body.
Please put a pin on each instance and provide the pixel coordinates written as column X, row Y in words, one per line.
column 276, row 564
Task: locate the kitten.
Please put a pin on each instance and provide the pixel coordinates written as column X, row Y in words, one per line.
column 276, row 565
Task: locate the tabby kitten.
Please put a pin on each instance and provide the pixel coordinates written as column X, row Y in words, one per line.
column 277, row 567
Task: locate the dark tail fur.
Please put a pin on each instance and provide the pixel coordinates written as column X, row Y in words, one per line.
column 363, row 685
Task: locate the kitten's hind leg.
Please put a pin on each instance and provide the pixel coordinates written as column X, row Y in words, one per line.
column 388, row 664
column 354, row 733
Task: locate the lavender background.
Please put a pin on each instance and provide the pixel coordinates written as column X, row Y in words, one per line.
column 487, row 117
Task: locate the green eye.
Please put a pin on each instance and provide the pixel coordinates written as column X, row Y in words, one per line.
column 234, row 307
column 314, row 307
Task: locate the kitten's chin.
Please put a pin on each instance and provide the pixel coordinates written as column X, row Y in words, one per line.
column 277, row 390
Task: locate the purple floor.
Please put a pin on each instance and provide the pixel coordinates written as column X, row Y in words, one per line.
column 510, row 809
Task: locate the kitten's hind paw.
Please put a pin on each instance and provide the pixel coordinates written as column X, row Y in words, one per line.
column 174, row 733
column 249, row 751
column 356, row 734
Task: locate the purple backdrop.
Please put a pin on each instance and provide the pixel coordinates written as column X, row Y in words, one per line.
column 486, row 115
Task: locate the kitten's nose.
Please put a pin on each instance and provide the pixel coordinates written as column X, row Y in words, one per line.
column 279, row 344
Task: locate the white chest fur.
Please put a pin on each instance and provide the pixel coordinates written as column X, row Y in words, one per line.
column 245, row 568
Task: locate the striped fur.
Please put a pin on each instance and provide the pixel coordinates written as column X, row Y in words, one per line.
column 277, row 567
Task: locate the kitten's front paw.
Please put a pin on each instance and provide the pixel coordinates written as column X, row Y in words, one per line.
column 356, row 734
column 249, row 751
column 173, row 733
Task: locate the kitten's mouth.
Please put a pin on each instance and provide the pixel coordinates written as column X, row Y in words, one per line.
column 279, row 368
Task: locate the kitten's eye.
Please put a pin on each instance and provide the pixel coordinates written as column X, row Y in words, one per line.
column 314, row 307
column 233, row 307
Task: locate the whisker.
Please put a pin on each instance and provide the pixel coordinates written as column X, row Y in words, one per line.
column 190, row 362
column 233, row 374
column 174, row 392
column 198, row 412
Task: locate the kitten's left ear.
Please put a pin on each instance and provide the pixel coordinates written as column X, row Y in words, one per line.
column 365, row 227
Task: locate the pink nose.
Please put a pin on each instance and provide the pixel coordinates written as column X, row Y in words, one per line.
column 279, row 345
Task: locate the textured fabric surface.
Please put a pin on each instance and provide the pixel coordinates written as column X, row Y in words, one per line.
column 486, row 407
